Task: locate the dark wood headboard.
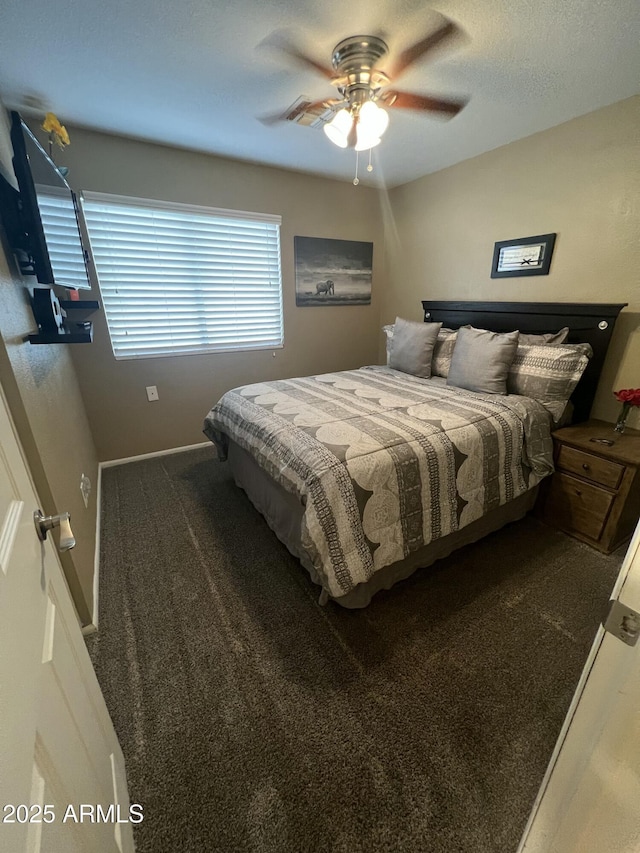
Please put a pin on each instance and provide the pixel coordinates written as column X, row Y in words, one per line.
column 588, row 323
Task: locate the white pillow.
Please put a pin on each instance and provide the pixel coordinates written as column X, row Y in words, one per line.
column 388, row 331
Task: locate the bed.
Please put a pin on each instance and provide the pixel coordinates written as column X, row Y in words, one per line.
column 367, row 475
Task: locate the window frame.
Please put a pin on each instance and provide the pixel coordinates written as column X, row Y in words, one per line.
column 202, row 210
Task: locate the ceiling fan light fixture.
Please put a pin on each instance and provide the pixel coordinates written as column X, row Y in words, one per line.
column 372, row 123
column 362, row 89
column 374, row 119
column 339, row 128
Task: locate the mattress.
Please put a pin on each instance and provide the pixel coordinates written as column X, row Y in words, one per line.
column 382, row 464
column 284, row 512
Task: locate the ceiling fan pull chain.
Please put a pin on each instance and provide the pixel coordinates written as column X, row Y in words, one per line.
column 356, row 180
column 370, row 167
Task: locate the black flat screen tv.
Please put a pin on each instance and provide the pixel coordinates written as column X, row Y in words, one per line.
column 42, row 219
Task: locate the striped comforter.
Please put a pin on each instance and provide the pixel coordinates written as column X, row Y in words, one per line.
column 384, row 462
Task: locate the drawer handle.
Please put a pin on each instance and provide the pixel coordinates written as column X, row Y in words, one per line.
column 578, row 493
column 585, row 466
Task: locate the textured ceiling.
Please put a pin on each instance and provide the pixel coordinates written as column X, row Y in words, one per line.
column 197, row 74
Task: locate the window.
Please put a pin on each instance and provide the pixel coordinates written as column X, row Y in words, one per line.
column 60, row 226
column 178, row 279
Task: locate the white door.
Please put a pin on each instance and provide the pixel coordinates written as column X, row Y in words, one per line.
column 58, row 748
column 589, row 801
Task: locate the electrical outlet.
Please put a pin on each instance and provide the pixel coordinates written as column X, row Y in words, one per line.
column 85, row 488
column 152, row 393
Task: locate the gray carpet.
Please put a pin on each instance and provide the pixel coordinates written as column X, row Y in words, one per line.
column 253, row 720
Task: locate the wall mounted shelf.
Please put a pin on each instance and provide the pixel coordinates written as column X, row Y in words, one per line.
column 81, row 309
column 75, row 333
column 70, row 328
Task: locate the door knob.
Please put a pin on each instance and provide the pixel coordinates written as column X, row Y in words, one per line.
column 45, row 523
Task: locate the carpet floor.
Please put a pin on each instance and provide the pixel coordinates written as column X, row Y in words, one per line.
column 251, row 719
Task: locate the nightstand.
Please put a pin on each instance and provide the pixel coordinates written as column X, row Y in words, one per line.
column 594, row 494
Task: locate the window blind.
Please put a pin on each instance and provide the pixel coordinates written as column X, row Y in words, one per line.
column 181, row 279
column 60, row 226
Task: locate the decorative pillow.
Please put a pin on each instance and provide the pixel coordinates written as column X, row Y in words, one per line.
column 481, row 360
column 549, row 374
column 443, row 351
column 388, row 331
column 412, row 347
column 550, row 338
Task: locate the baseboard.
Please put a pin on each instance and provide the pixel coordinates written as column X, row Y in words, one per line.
column 111, row 462
column 96, row 553
column 92, row 627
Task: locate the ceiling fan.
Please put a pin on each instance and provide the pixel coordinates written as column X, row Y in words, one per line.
column 358, row 118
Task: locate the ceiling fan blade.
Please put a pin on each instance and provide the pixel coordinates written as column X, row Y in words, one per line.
column 292, row 115
column 319, row 106
column 446, row 31
column 284, row 41
column 303, row 59
column 273, row 118
column 410, row 101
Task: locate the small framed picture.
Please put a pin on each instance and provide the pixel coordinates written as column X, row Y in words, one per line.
column 522, row 257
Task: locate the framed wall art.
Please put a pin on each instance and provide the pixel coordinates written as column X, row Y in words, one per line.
column 332, row 272
column 522, row 257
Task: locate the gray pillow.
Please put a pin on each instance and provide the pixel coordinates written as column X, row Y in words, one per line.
column 548, row 339
column 481, row 360
column 412, row 347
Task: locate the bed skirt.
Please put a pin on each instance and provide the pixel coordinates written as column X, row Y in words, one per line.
column 283, row 513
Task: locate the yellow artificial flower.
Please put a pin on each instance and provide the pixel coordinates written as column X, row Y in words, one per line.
column 56, row 131
column 64, row 136
column 51, row 123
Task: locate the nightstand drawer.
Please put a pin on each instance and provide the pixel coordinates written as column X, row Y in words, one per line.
column 592, row 467
column 577, row 506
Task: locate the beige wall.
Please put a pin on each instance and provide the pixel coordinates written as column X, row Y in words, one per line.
column 580, row 180
column 44, row 398
column 316, row 340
